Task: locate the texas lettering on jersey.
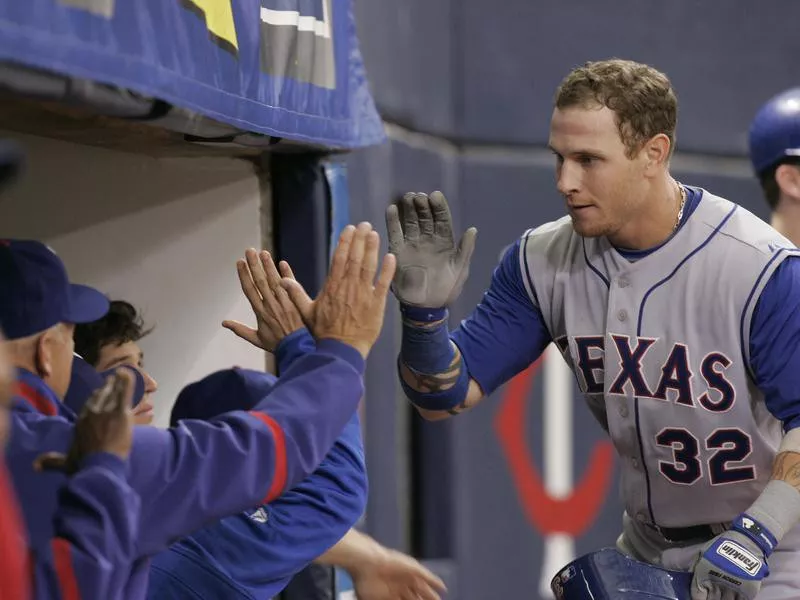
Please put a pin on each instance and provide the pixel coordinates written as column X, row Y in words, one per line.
column 676, row 373
column 701, row 385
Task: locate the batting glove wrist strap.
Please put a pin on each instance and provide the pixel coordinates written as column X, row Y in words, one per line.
column 423, row 315
column 426, row 348
column 756, row 532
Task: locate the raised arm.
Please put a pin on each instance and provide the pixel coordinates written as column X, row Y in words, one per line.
column 444, row 374
column 200, row 471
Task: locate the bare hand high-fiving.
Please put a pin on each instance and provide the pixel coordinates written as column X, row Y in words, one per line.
column 105, row 424
column 276, row 315
column 431, row 269
column 351, row 306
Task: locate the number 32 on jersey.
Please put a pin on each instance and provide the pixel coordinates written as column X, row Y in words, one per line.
column 723, row 446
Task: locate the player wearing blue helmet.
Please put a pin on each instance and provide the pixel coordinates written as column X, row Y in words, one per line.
column 775, row 154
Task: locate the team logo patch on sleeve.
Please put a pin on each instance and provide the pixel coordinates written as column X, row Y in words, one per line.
column 260, row 515
column 735, row 554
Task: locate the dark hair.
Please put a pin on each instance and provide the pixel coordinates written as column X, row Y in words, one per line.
column 770, row 187
column 121, row 324
column 641, row 97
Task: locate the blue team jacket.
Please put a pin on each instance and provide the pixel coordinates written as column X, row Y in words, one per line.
column 255, row 554
column 192, row 474
column 96, row 530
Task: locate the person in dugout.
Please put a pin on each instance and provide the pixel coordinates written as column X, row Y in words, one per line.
column 256, row 554
column 197, row 472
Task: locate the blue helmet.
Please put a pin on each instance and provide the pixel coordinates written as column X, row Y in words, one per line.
column 775, row 131
column 610, row 575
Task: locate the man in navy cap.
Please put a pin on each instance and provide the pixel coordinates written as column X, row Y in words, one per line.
column 97, row 517
column 40, row 308
column 199, row 471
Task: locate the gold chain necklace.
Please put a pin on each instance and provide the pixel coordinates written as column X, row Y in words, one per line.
column 683, row 203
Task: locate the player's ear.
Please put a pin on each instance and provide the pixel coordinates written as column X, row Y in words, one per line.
column 44, row 353
column 788, row 179
column 656, row 150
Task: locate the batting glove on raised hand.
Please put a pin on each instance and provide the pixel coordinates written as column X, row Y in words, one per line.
column 431, row 270
column 733, row 565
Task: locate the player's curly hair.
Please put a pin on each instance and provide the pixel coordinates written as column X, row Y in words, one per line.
column 122, row 324
column 641, row 97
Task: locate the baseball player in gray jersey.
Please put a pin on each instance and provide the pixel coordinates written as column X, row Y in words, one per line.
column 677, row 310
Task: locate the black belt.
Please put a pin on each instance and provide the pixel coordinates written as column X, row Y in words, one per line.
column 695, row 533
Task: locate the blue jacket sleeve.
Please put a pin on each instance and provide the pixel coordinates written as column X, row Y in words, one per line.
column 293, row 346
column 506, row 332
column 201, row 471
column 775, row 343
column 96, row 527
column 259, row 551
column 315, row 515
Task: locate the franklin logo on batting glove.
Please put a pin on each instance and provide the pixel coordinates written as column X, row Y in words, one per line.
column 739, row 557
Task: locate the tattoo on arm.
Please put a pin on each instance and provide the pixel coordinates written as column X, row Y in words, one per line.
column 787, row 468
column 430, row 383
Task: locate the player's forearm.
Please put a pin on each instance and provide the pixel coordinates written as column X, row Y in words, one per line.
column 473, row 396
column 428, row 382
column 778, row 506
column 354, row 551
column 431, row 369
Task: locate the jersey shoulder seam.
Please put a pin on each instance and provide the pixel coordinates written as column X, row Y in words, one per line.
column 724, row 233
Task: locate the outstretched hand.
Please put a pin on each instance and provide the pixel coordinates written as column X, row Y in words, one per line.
column 351, row 306
column 431, row 269
column 276, row 315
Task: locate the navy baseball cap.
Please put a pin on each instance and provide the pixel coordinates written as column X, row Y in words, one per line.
column 35, row 292
column 86, row 380
column 221, row 392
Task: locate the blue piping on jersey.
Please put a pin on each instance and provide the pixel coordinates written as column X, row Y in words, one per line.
column 592, row 267
column 528, row 271
column 747, row 303
column 639, row 332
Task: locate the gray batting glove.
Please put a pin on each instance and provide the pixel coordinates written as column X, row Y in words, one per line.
column 431, row 270
column 731, row 567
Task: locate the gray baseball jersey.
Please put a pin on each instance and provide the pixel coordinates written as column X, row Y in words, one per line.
column 660, row 350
